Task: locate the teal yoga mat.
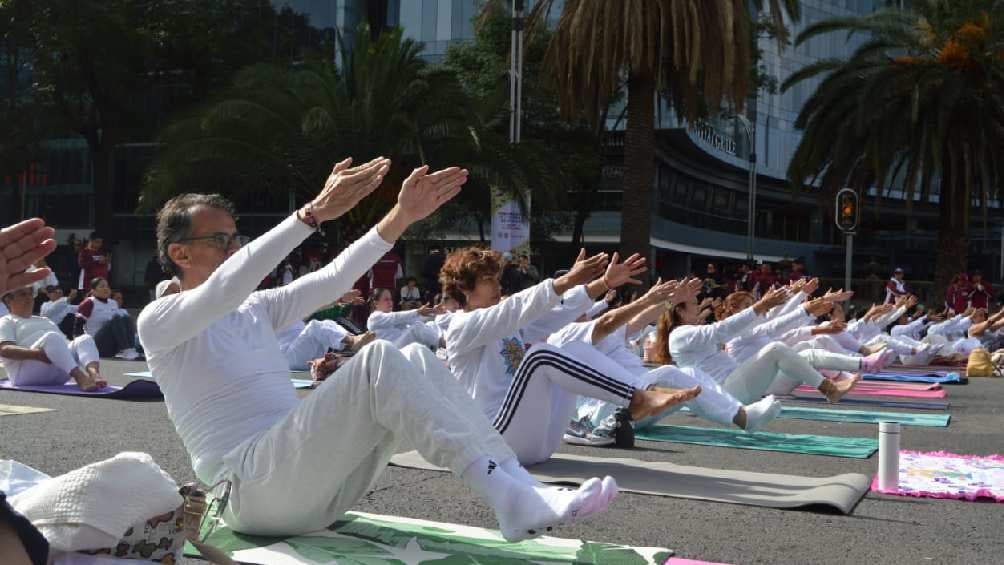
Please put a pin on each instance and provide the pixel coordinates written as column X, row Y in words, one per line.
column 864, row 416
column 853, row 447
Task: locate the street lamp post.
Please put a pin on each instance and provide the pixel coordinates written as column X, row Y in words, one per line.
column 751, row 220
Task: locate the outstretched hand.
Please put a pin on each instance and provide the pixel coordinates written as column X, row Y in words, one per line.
column 346, row 186
column 353, row 297
column 583, row 271
column 619, row 274
column 20, row 246
column 422, row 193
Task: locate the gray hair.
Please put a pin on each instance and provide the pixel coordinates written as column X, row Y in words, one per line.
column 174, row 221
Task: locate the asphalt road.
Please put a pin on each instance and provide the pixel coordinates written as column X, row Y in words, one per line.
column 882, row 529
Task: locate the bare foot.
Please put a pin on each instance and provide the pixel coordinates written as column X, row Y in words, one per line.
column 86, row 382
column 835, row 390
column 650, row 402
column 357, row 342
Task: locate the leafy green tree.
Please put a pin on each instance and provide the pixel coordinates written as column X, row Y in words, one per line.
column 110, row 69
column 280, row 129
column 920, row 103
column 554, row 157
column 697, row 53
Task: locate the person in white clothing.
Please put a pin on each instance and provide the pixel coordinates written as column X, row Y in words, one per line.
column 775, row 369
column 601, row 306
column 402, row 328
column 296, row 465
column 608, row 334
column 896, row 287
column 303, row 342
column 531, row 393
column 58, row 307
column 111, row 327
column 34, row 352
column 411, row 295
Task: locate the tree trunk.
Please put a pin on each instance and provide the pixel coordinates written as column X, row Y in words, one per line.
column 639, row 169
column 582, row 212
column 953, row 236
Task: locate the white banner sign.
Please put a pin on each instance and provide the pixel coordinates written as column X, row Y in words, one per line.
column 510, row 228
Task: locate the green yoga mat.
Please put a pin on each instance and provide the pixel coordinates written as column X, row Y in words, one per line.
column 854, row 447
column 371, row 539
column 864, row 416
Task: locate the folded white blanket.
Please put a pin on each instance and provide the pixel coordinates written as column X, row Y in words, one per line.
column 92, row 507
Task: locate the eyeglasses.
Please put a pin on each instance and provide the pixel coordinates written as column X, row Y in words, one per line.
column 221, row 240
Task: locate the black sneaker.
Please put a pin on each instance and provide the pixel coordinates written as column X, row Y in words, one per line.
column 624, row 435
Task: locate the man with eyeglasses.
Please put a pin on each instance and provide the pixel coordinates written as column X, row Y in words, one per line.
column 293, row 465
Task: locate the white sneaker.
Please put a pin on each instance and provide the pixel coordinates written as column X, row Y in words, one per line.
column 128, row 354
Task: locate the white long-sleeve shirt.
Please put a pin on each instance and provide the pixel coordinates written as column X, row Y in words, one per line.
column 213, row 349
column 703, row 346
column 912, row 330
column 751, row 341
column 484, row 346
column 867, row 331
column 57, row 310
column 599, row 307
column 392, row 325
column 573, row 304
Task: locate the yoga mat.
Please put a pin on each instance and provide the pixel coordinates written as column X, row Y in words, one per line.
column 297, row 383
column 939, row 474
column 885, row 385
column 950, row 378
column 863, row 416
column 700, row 483
column 136, row 389
column 853, row 447
column 869, row 391
column 373, row 539
column 887, row 403
column 15, row 410
column 682, row 561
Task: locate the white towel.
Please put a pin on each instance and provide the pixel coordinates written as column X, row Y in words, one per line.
column 92, row 507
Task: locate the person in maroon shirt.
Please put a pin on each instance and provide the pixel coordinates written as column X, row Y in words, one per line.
column 957, row 295
column 94, row 260
column 796, row 273
column 386, row 272
column 981, row 293
column 763, row 279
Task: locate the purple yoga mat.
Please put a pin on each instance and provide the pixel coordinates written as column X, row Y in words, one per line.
column 139, row 388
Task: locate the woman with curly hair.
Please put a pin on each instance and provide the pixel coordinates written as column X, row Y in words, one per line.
column 530, row 394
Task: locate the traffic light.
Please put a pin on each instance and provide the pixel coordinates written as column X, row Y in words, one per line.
column 847, row 210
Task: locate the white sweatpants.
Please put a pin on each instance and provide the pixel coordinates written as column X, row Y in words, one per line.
column 847, row 341
column 901, row 345
column 714, row 403
column 823, row 359
column 775, row 369
column 826, row 342
column 542, row 397
column 64, row 356
column 317, row 462
column 314, row 341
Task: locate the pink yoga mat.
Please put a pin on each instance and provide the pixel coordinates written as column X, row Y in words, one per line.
column 883, row 391
column 682, row 561
column 893, row 385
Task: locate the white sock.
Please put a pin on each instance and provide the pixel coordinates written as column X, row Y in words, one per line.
column 761, row 412
column 524, row 511
column 512, row 467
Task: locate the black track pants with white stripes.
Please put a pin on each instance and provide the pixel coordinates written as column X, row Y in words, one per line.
column 543, row 393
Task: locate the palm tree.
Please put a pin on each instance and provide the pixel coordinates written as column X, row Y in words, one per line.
column 697, row 53
column 279, row 129
column 921, row 103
